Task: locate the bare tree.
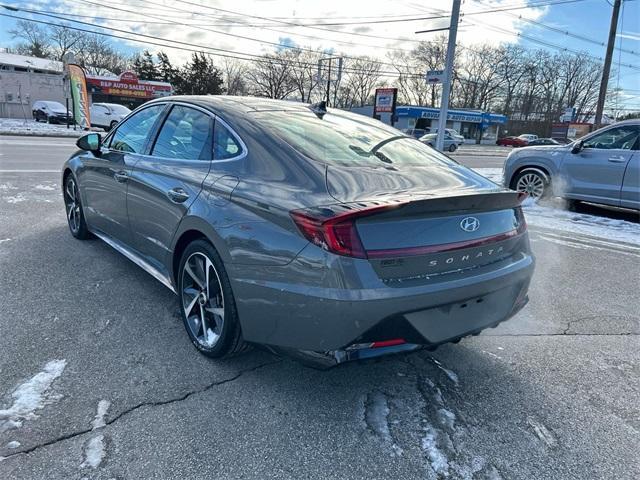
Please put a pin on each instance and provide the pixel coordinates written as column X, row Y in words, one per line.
column 234, row 73
column 96, row 55
column 35, row 40
column 304, row 72
column 271, row 76
column 363, row 74
column 64, row 40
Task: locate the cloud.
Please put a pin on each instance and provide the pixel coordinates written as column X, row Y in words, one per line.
column 361, row 39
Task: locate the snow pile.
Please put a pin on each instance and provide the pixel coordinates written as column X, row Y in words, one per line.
column 377, row 418
column 32, row 395
column 94, row 448
column 13, row 126
column 98, row 421
column 93, row 452
column 549, row 216
column 581, row 223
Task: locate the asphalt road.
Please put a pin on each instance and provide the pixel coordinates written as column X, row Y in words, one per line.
column 551, row 394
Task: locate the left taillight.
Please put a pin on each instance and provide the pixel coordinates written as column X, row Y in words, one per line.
column 333, row 229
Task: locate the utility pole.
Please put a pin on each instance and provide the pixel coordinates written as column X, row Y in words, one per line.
column 607, row 63
column 448, row 71
column 329, row 82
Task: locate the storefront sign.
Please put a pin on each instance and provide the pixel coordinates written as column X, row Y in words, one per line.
column 128, row 85
column 385, row 100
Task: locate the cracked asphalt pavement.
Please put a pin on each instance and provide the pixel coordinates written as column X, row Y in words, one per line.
column 98, row 380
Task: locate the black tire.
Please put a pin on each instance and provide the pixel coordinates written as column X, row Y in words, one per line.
column 112, row 125
column 73, row 209
column 452, row 147
column 533, row 183
column 223, row 336
column 49, row 120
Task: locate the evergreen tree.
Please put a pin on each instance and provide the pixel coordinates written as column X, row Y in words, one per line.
column 144, row 67
column 199, row 77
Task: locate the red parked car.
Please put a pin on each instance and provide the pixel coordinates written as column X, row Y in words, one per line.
column 511, row 142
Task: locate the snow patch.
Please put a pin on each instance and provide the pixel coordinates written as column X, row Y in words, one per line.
column 438, row 460
column 377, row 418
column 31, row 396
column 447, row 418
column 98, row 421
column 559, row 219
column 48, row 188
column 13, row 126
column 93, row 452
column 15, row 199
column 542, row 432
column 13, row 444
column 2, row 240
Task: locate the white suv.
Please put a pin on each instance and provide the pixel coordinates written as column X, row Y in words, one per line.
column 107, row 115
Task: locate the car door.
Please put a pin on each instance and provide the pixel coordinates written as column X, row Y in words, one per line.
column 164, row 184
column 99, row 115
column 104, row 177
column 596, row 172
column 630, row 193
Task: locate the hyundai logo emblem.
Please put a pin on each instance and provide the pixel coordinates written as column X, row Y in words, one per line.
column 470, row 224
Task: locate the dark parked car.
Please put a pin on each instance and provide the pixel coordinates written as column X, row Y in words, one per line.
column 542, row 141
column 51, row 112
column 602, row 167
column 300, row 227
column 511, row 142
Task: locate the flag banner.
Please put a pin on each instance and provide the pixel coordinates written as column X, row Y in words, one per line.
column 78, row 83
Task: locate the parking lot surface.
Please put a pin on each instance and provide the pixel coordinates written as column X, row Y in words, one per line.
column 99, row 380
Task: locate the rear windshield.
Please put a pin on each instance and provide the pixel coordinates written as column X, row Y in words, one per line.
column 348, row 140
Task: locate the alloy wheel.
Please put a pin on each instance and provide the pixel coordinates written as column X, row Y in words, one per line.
column 202, row 299
column 532, row 184
column 72, row 203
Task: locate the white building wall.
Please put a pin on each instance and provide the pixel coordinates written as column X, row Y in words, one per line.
column 30, row 87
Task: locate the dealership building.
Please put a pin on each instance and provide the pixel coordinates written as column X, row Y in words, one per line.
column 25, row 80
column 471, row 124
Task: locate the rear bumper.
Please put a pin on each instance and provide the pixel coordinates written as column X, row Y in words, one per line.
column 319, row 319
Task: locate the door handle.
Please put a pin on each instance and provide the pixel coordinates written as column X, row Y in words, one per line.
column 177, row 195
column 617, row 159
column 121, row 176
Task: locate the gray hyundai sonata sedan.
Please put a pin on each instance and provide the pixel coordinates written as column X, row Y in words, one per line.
column 307, row 229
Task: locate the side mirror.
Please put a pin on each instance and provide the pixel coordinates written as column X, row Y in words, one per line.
column 89, row 142
column 577, row 148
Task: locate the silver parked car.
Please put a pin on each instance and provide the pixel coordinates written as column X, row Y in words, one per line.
column 450, row 143
column 301, row 227
column 602, row 167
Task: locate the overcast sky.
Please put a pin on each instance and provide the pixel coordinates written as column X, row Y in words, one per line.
column 225, row 22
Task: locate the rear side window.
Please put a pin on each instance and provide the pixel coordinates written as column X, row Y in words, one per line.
column 185, row 135
column 225, row 145
column 131, row 136
column 350, row 141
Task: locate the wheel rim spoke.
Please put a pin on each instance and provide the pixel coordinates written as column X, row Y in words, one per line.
column 201, row 286
column 193, row 276
column 194, row 293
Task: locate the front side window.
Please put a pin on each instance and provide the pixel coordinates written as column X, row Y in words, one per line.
column 185, row 135
column 131, row 136
column 349, row 141
column 623, row 137
column 225, row 145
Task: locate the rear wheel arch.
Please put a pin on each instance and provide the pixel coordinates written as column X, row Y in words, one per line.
column 185, row 239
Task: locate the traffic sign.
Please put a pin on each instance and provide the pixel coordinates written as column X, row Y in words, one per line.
column 435, row 76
